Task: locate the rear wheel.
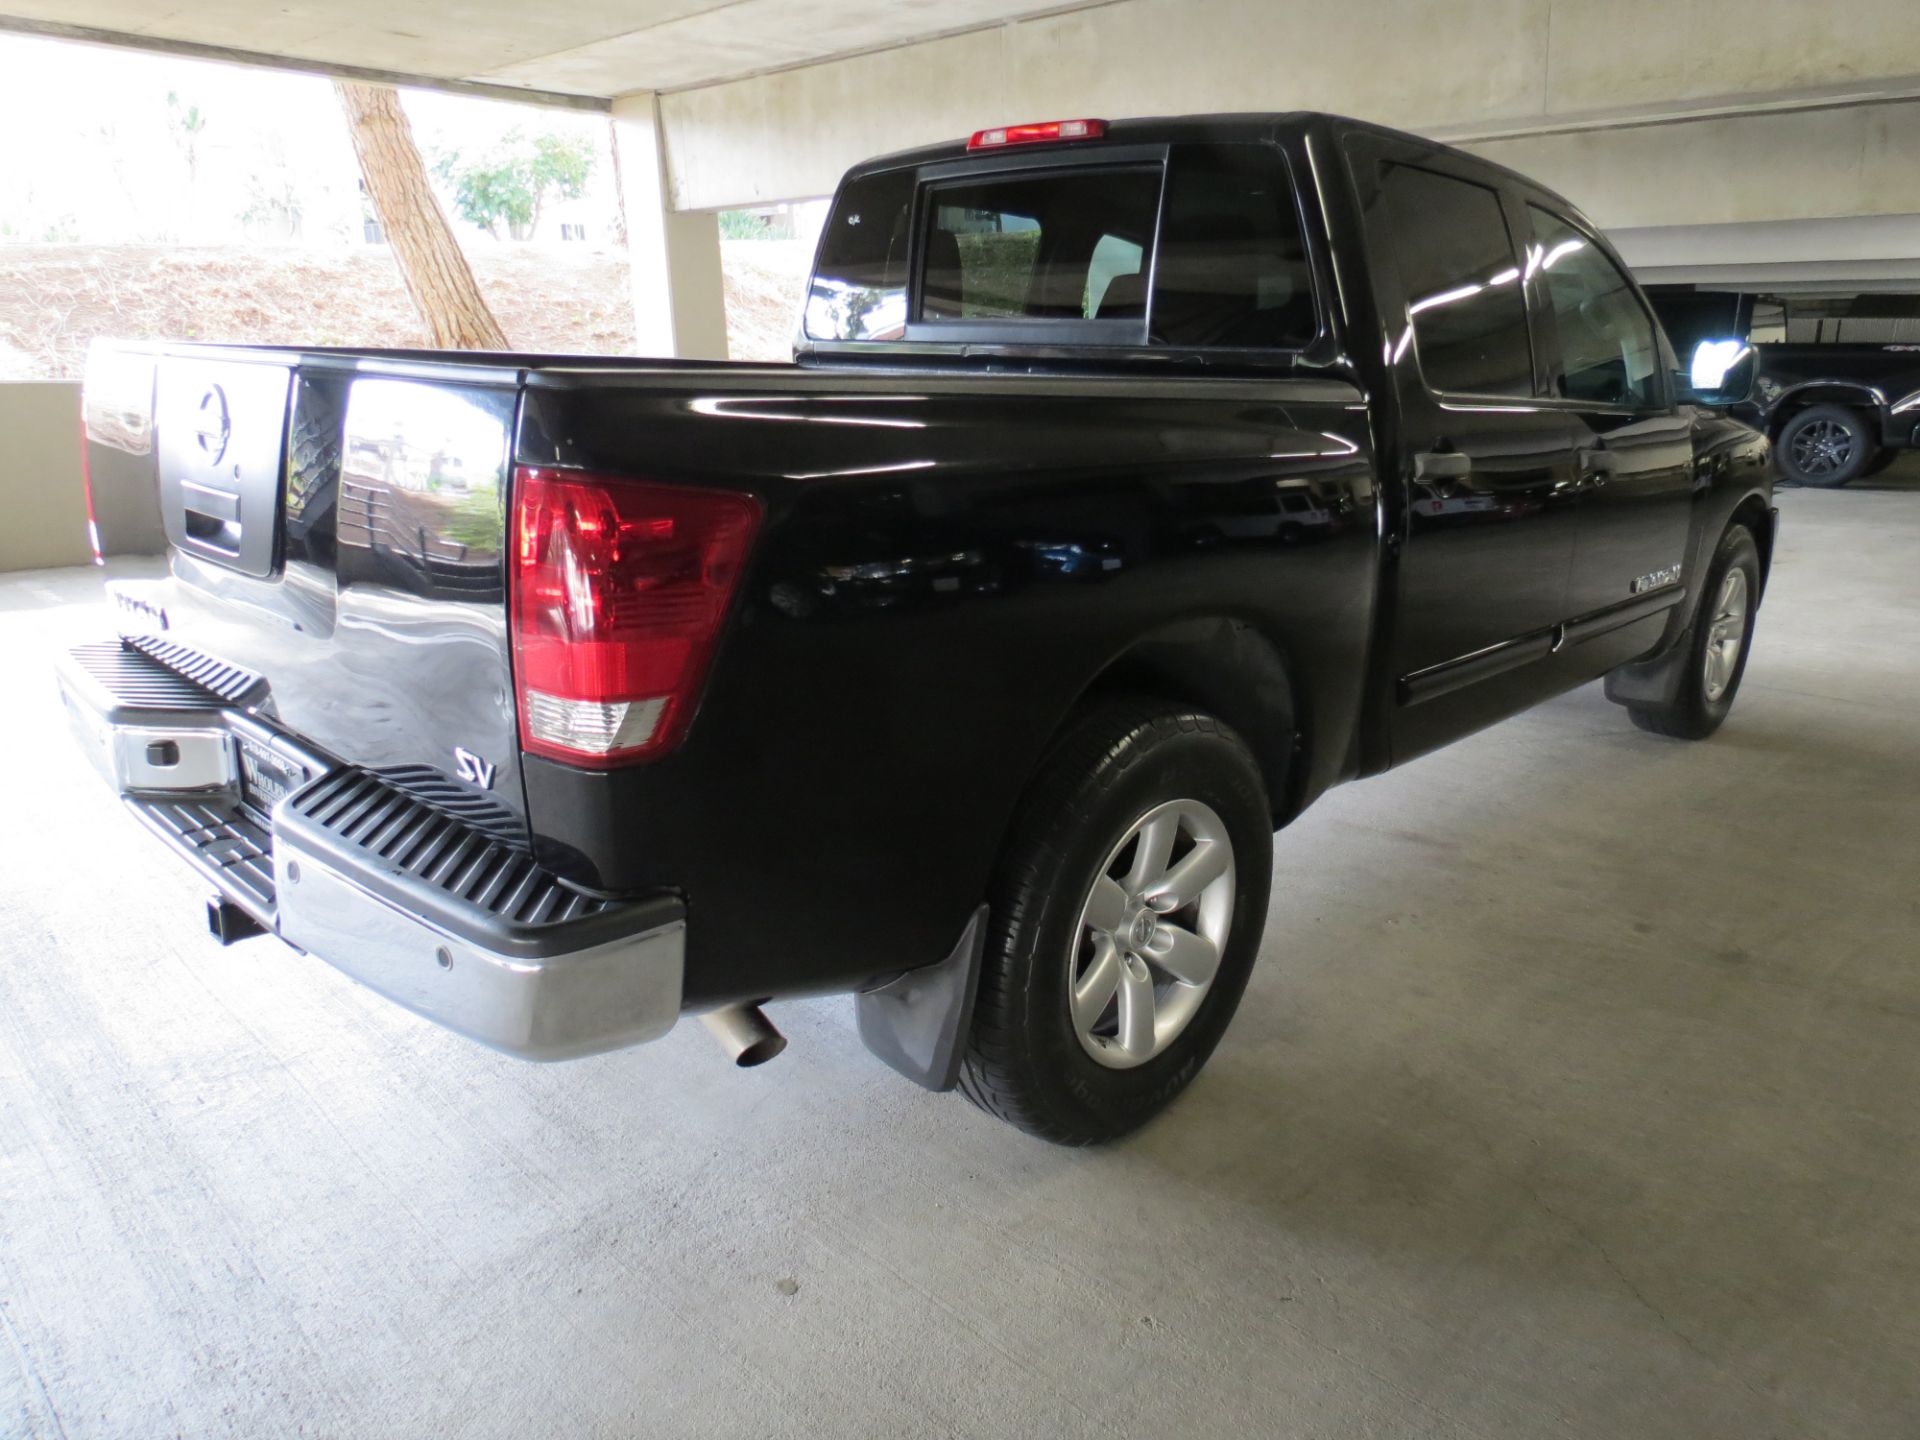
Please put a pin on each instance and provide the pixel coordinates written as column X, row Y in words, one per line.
column 1717, row 645
column 1826, row 445
column 1127, row 911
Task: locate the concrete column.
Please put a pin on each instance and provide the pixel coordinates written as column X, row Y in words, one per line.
column 41, row 498
column 673, row 257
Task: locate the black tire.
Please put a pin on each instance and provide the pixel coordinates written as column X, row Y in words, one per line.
column 1025, row 1061
column 1826, row 445
column 1880, row 462
column 1692, row 714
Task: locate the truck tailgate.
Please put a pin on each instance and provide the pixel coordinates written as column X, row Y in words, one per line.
column 338, row 528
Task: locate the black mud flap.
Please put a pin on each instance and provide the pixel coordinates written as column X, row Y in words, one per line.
column 918, row 1022
column 1654, row 682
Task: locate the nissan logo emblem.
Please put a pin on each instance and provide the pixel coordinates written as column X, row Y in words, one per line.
column 213, row 427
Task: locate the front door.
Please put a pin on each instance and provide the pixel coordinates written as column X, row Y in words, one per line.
column 1486, row 541
column 1633, row 446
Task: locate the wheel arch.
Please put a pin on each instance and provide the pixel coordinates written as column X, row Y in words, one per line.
column 1230, row 668
column 1757, row 515
column 1222, row 664
column 1655, row 680
column 1852, row 394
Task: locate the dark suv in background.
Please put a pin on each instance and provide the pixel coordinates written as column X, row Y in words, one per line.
column 1838, row 390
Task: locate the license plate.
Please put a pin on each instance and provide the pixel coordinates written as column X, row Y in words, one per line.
column 266, row 778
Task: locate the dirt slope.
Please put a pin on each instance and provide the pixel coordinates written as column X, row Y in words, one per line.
column 54, row 299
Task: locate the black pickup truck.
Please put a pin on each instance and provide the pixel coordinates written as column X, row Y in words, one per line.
column 1135, row 483
column 1836, row 412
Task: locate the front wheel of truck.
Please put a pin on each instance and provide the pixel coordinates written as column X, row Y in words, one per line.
column 1715, row 645
column 1127, row 905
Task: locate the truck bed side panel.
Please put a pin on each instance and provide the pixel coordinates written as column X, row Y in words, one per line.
column 948, row 564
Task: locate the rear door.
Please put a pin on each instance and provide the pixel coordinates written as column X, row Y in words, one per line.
column 1487, row 538
column 1606, row 368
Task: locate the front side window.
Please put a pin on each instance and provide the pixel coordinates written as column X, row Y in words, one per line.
column 1608, row 355
column 1462, row 281
column 1036, row 247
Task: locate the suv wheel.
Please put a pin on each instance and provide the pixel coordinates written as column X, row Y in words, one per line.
column 1826, row 445
column 1882, row 461
column 1127, row 910
column 1717, row 644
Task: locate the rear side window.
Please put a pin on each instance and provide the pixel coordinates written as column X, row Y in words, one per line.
column 1233, row 267
column 1462, row 278
column 859, row 289
column 1067, row 256
column 1024, row 247
column 1607, row 350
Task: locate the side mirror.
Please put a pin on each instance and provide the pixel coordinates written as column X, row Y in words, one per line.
column 1721, row 373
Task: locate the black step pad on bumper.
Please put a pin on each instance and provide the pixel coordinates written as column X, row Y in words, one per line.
column 411, row 899
column 436, row 864
column 221, row 840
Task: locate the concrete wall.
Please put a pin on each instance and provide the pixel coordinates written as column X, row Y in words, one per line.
column 43, row 498
column 1629, row 69
column 1865, row 253
column 1853, row 160
column 43, row 507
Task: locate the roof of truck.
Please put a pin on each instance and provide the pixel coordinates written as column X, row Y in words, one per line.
column 1163, row 129
column 1140, row 130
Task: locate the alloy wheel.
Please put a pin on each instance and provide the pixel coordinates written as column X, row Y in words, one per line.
column 1822, row 447
column 1151, row 934
column 1726, row 634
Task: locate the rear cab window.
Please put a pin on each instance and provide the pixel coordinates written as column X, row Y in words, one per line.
column 1197, row 247
column 1022, row 247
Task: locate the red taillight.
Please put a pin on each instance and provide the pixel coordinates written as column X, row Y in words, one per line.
column 1050, row 131
column 619, row 588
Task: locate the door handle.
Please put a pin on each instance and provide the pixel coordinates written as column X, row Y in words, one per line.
column 1441, row 465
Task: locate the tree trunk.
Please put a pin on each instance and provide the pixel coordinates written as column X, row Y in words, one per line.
column 619, row 230
column 437, row 275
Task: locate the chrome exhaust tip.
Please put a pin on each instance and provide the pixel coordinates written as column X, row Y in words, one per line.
column 745, row 1033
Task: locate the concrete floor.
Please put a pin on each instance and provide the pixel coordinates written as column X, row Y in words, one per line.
column 1575, row 1096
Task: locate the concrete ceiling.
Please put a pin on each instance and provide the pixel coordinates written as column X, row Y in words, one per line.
column 596, row 48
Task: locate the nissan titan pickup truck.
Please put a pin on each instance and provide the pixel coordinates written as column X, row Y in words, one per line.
column 1134, row 483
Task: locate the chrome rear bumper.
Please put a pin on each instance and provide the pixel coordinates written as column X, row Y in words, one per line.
column 412, row 902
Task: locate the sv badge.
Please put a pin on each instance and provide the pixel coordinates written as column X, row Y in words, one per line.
column 472, row 768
